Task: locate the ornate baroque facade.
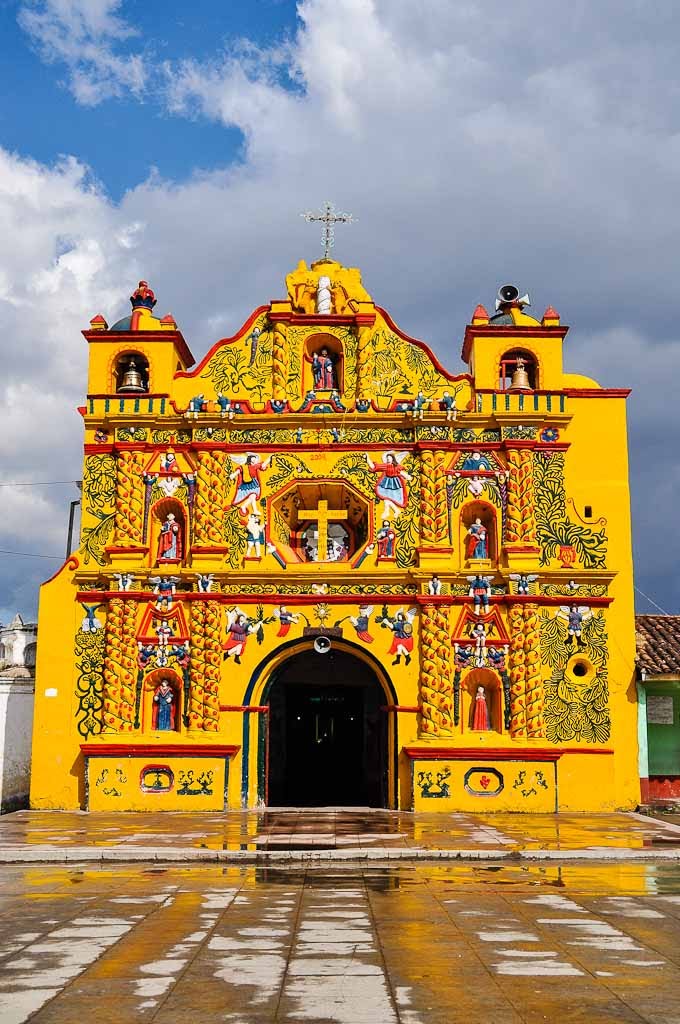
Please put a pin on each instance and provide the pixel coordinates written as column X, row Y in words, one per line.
column 319, row 568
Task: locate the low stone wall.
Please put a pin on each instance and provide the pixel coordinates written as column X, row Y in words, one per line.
column 16, row 724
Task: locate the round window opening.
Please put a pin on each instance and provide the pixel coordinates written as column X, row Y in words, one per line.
column 580, row 669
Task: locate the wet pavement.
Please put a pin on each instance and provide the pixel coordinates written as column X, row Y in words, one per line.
column 409, row 943
column 332, row 834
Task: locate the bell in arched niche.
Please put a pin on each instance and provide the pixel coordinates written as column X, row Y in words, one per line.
column 132, row 379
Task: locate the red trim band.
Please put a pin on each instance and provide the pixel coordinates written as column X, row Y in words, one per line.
column 152, row 749
column 494, row 753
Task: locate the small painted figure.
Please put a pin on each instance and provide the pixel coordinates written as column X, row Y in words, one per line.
column 390, row 485
column 204, row 582
column 336, row 435
column 101, row 437
column 299, row 433
column 496, row 656
column 385, row 538
column 420, row 404
column 124, row 580
column 195, row 407
column 476, row 486
column 434, row 587
column 576, row 618
column 286, row 619
column 361, row 622
column 254, row 339
column 476, row 545
column 363, row 404
column 254, row 536
column 480, row 591
column 462, row 656
column 170, row 540
column 145, row 653
column 239, row 627
column 163, row 718
column 336, row 401
column 448, row 403
column 476, row 461
column 523, row 581
column 248, row 486
column 402, row 628
column 169, row 463
column 224, row 405
column 323, row 296
column 480, row 714
column 91, row 623
column 165, row 587
column 164, row 632
column 323, row 370
column 182, row 652
column 478, row 634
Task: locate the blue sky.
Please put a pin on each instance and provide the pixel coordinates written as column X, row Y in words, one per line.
column 42, row 120
column 475, row 143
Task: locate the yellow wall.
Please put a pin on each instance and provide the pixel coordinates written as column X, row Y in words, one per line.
column 545, row 456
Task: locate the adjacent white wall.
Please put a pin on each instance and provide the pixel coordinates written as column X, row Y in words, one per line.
column 17, row 688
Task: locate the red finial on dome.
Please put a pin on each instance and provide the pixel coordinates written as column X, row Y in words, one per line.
column 143, row 296
column 480, row 313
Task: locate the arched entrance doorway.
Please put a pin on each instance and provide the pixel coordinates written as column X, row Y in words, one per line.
column 328, row 737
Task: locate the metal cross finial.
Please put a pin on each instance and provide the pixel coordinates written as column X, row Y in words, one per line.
column 329, row 218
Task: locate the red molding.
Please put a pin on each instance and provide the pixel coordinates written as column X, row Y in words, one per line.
column 152, row 749
column 404, row 708
column 306, row 599
column 196, row 372
column 495, row 753
column 143, row 338
column 473, row 331
column 115, row 395
column 247, row 709
column 426, row 349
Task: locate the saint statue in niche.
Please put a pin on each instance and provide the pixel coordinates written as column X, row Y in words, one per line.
column 170, row 540
column 480, row 712
column 477, row 540
column 163, row 707
column 323, row 370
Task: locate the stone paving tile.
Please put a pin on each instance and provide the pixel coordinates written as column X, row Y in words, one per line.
column 410, row 944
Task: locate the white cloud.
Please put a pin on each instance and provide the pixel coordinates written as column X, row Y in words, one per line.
column 84, row 35
column 475, row 143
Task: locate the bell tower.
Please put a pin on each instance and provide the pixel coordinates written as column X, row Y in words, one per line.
column 512, row 351
column 138, row 355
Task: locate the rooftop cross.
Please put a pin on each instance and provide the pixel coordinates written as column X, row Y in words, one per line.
column 329, row 218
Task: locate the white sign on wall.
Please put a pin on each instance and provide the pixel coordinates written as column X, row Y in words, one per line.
column 660, row 710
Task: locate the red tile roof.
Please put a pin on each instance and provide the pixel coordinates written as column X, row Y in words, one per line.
column 657, row 639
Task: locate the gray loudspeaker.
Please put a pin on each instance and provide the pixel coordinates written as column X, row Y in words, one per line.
column 322, row 645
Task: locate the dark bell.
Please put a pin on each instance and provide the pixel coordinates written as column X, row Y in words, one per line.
column 132, row 379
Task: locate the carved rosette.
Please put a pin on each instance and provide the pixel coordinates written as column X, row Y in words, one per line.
column 211, row 478
column 129, row 520
column 120, row 662
column 517, row 672
column 533, row 679
column 279, row 362
column 205, row 666
column 436, row 687
column 520, row 527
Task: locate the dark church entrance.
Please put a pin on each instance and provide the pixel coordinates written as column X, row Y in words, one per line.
column 327, row 735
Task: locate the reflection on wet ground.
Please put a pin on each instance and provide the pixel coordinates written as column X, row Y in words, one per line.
column 417, row 944
column 337, row 829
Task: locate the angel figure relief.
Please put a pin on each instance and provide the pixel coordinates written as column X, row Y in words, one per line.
column 248, row 483
column 390, row 485
column 575, row 618
column 401, row 625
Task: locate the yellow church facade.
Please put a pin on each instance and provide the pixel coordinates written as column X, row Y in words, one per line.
column 317, row 569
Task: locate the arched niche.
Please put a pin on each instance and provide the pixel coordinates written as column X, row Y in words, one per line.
column 131, row 373
column 487, row 705
column 162, row 532
column 29, row 655
column 160, row 714
column 508, row 365
column 324, row 347
column 478, row 533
